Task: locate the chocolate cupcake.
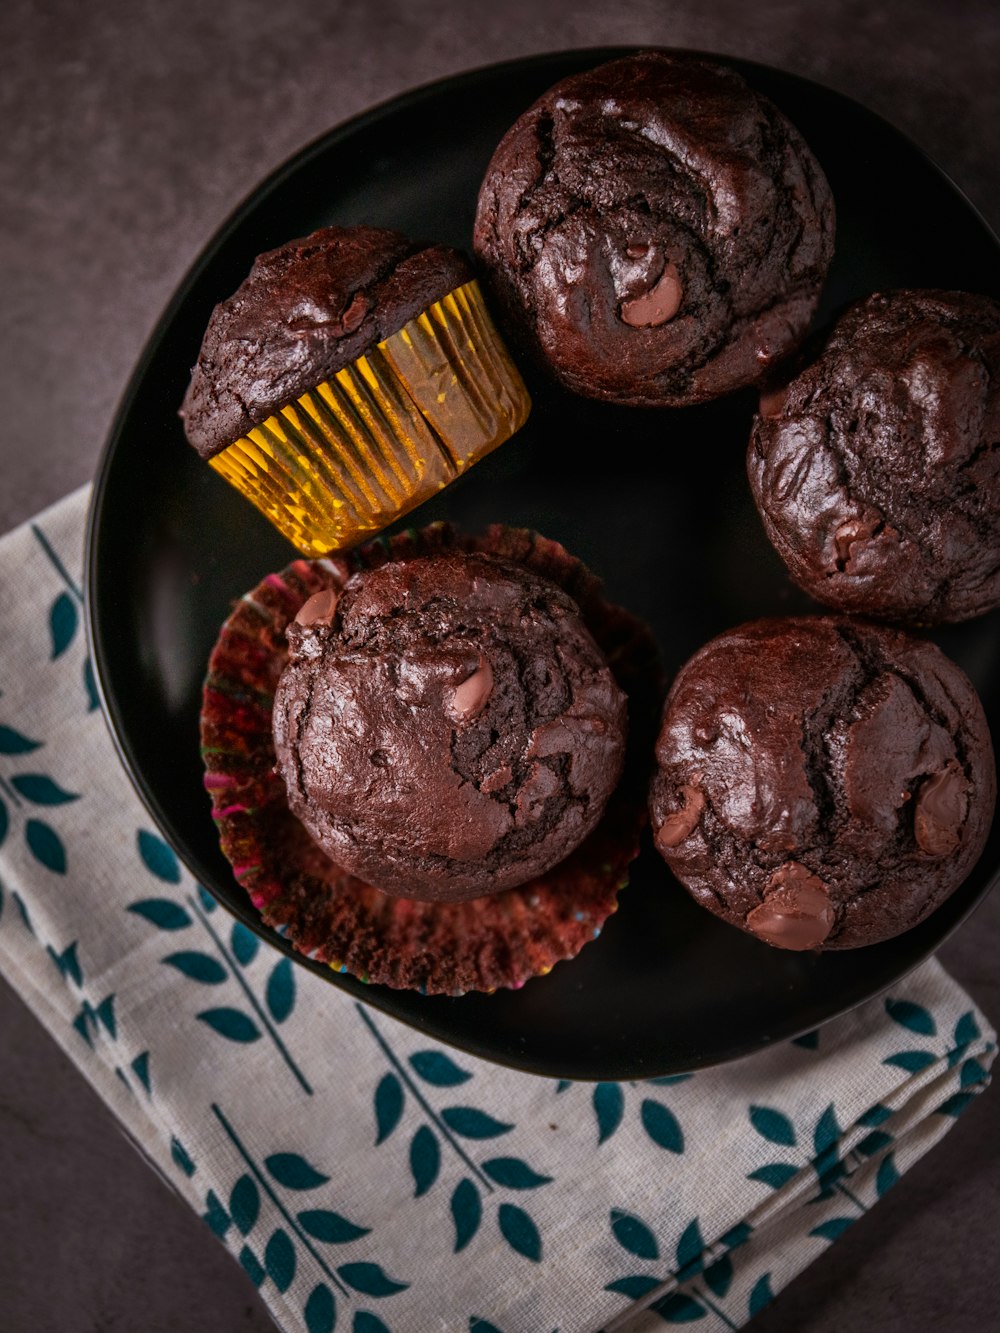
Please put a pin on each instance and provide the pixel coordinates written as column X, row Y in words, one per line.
column 540, row 657
column 876, row 470
column 448, row 728
column 351, row 376
column 822, row 783
column 656, row 230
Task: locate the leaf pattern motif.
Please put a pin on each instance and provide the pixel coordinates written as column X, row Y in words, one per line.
column 425, row 1160
column 45, row 846
column 389, row 1101
column 519, row 1231
column 466, row 1212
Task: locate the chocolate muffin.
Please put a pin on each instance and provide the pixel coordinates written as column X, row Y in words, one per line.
column 656, row 230
column 352, row 375
column 822, row 783
column 447, row 727
column 877, row 469
column 306, row 310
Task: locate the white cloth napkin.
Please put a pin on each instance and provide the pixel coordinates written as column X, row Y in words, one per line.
column 366, row 1178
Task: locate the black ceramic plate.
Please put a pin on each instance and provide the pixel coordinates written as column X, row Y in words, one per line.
column 655, row 502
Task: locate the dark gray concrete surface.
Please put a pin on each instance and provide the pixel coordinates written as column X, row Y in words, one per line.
column 129, row 130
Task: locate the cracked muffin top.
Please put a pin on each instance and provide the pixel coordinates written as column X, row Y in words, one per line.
column 304, row 311
column 447, row 727
column 656, row 230
column 876, row 471
column 821, row 782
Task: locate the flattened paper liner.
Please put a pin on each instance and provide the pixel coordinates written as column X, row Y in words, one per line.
column 328, row 914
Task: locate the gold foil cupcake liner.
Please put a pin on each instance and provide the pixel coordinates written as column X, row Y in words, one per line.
column 385, row 433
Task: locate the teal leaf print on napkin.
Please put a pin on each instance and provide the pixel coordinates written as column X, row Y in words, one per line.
column 63, row 621
column 912, row 1061
column 809, row 1041
column 833, row 1228
column 466, row 1211
column 140, row 1067
column 330, row 1227
column 425, row 1160
column 473, row 1124
column 513, row 1173
column 912, row 1016
column 159, row 859
column 90, row 686
column 279, row 995
column 251, row 1265
column 41, row 790
column 609, row 1107
column 230, row 1023
column 438, row 1069
column 244, row 1204
column 635, row 1286
column 162, row 913
column 389, row 1101
column 887, row 1175
column 662, row 1126
column 206, row 969
column 772, row 1125
column 215, row 1216
column 320, row 1311
column 679, row 1309
column 719, row 1277
column 15, row 742
column 690, row 1251
column 198, row 967
column 68, row 963
column 293, row 1171
column 279, row 1260
column 774, row 1174
column 761, row 1295
column 519, row 1231
column 366, row 1322
column 45, row 846
column 181, row 1157
column 244, row 943
column 477, row 1325
column 370, row 1279
column 633, row 1235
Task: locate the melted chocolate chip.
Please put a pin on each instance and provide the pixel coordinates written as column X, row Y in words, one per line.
column 658, row 305
column 680, row 824
column 469, row 699
column 941, row 810
column 319, row 609
column 796, row 912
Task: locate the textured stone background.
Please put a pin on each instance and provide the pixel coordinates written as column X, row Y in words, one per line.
column 130, row 129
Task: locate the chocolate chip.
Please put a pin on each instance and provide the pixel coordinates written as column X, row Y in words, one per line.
column 796, row 912
column 658, row 305
column 680, row 824
column 941, row 810
column 319, row 609
column 469, row 699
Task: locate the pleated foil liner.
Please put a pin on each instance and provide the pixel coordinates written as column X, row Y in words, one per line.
column 387, row 432
column 327, row 914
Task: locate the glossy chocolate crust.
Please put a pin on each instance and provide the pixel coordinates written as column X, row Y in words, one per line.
column 877, row 470
column 304, row 312
column 822, row 782
column 448, row 729
column 656, row 230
